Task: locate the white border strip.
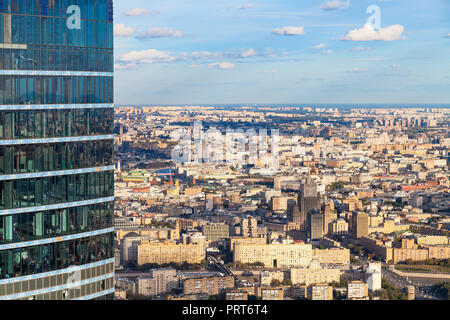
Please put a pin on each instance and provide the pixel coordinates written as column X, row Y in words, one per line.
column 57, row 272
column 96, row 295
column 55, row 240
column 73, row 285
column 66, row 205
column 13, row 46
column 55, row 140
column 55, row 73
column 21, row 176
column 56, row 106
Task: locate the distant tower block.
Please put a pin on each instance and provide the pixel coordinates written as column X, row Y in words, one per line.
column 277, row 183
column 360, row 224
column 315, row 224
column 308, row 198
column 328, row 215
column 374, row 276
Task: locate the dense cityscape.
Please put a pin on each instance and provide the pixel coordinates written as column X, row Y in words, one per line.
column 358, row 207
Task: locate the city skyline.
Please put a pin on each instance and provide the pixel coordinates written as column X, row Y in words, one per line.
column 269, row 52
column 355, row 207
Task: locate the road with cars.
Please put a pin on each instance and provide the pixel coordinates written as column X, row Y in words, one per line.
column 422, row 286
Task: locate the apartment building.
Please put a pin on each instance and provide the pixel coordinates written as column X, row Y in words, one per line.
column 168, row 251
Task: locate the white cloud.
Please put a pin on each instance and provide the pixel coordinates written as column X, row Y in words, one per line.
column 134, row 58
column 320, row 46
column 268, row 71
column 207, row 55
column 121, row 30
column 160, row 33
column 448, row 36
column 373, row 59
column 327, row 52
column 145, row 57
column 248, row 53
column 335, row 5
column 368, row 33
column 247, row 6
column 198, row 55
column 221, row 65
column 360, row 49
column 118, row 66
column 289, row 31
column 269, row 53
column 135, row 12
column 356, row 70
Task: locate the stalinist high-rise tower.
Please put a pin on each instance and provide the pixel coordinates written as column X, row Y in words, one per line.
column 308, row 198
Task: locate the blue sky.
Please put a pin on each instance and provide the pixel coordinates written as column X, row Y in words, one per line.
column 281, row 51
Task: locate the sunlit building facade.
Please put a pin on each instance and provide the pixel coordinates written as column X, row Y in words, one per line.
column 56, row 149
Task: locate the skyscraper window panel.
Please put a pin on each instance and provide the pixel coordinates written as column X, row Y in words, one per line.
column 55, row 89
column 54, row 256
column 54, row 223
column 23, row 124
column 56, row 127
column 33, row 158
column 25, row 193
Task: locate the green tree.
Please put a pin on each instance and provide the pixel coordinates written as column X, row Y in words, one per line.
column 286, row 282
column 275, row 283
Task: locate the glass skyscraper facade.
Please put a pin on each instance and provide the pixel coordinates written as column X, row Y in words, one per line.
column 56, row 149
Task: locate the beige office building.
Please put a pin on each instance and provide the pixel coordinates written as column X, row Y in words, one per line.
column 314, row 274
column 279, row 204
column 216, row 231
column 167, row 252
column 287, row 255
column 249, row 227
column 432, row 240
column 243, row 240
column 357, row 290
column 321, row 292
column 274, row 255
column 360, row 224
column 236, row 295
column 159, row 281
column 271, row 293
column 208, row 285
column 332, row 256
column 339, row 227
